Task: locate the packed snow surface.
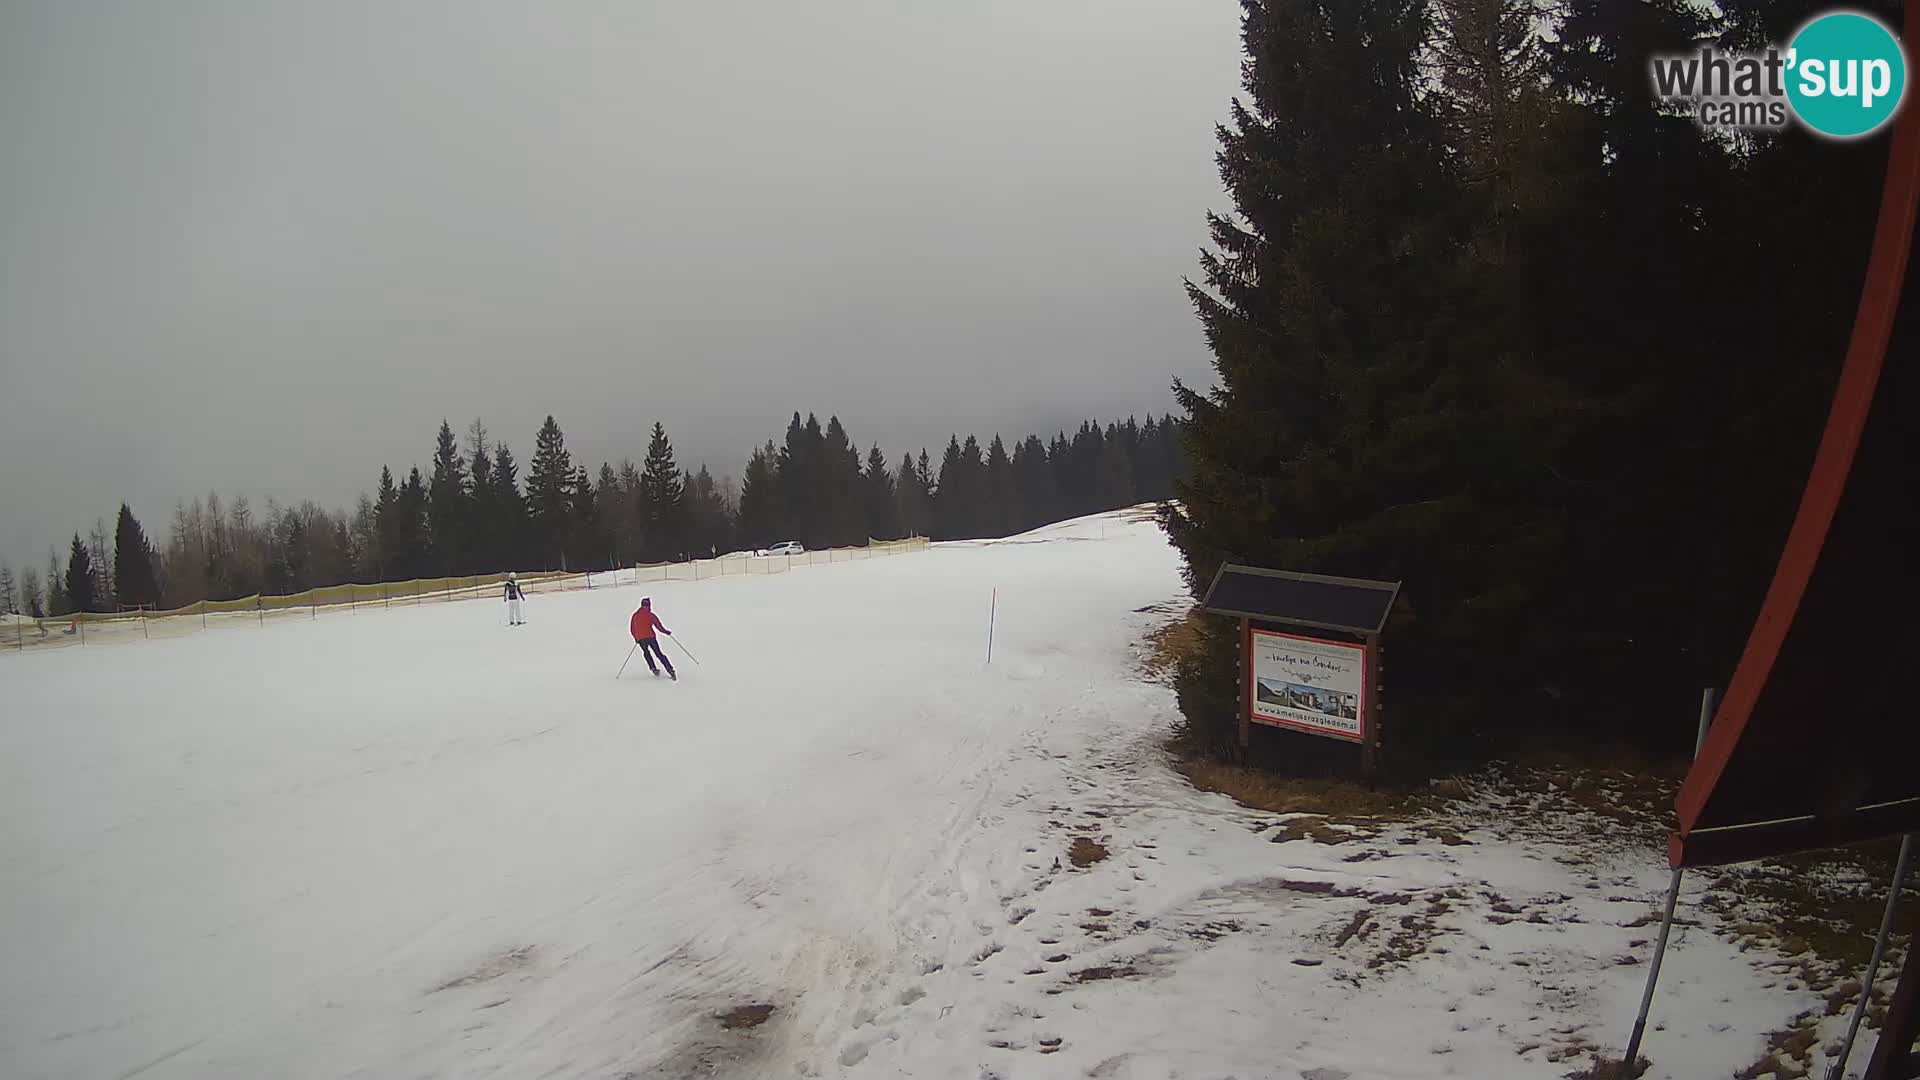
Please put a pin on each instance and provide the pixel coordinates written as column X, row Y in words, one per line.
column 420, row 843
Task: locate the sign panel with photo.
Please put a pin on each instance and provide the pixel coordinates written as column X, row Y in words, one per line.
column 1307, row 684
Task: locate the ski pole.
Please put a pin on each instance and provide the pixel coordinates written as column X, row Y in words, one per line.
column 683, row 648
column 624, row 663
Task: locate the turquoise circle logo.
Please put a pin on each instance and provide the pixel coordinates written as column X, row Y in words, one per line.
column 1847, row 74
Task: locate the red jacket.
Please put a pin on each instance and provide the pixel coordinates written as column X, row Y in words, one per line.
column 644, row 623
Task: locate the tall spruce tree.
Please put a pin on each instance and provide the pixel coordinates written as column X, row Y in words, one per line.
column 846, row 523
column 912, row 507
column 1342, row 434
column 951, row 512
column 9, row 590
column 510, row 512
column 709, row 523
column 806, row 495
column 482, row 546
column 882, row 509
column 449, row 510
column 135, row 583
column 1032, row 484
column 388, row 528
column 80, row 579
column 663, row 490
column 626, row 515
column 550, row 496
column 762, row 520
column 1000, row 512
column 413, row 553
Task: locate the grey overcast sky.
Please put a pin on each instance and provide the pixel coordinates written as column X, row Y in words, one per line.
column 265, row 247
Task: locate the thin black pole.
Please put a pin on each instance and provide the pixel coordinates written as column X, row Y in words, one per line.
column 1666, row 919
column 993, row 612
column 684, row 649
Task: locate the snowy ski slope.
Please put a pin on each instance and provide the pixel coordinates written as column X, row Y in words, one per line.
column 426, row 845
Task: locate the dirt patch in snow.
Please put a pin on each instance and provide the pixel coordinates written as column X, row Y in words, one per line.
column 1317, row 829
column 1339, row 801
column 1609, row 1069
column 505, row 963
column 745, row 1016
column 1085, row 852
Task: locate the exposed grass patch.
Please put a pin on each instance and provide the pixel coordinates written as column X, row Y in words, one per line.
column 1315, row 828
column 1359, row 919
column 1789, row 1053
column 1168, row 644
column 1085, row 852
column 1340, row 800
column 1104, row 971
column 1611, row 1069
column 1818, row 910
column 745, row 1016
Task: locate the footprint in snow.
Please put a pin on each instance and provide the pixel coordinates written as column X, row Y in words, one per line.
column 911, row 994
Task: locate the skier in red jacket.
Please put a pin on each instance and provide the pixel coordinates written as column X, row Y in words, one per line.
column 644, row 623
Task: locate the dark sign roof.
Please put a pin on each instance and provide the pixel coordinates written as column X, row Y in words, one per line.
column 1354, row 605
column 1816, row 743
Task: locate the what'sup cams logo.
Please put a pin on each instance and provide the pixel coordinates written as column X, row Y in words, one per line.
column 1843, row 76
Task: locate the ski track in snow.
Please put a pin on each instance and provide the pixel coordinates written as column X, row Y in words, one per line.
column 416, row 843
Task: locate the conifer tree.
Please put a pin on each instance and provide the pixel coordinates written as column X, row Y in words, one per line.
column 912, row 507
column 1000, row 514
column 448, row 507
column 846, row 523
column 482, row 540
column 1327, row 444
column 951, row 516
column 79, row 582
column 510, row 513
column 663, row 490
column 134, row 581
column 877, row 485
column 550, row 482
column 761, row 516
column 388, row 528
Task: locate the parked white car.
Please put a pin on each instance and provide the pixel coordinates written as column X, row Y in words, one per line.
column 790, row 547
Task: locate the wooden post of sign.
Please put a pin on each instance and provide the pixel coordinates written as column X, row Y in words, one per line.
column 1370, row 722
column 1246, row 689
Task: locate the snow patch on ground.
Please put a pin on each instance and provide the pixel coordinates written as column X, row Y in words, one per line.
column 421, row 843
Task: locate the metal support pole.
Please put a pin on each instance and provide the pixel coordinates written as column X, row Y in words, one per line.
column 1879, row 953
column 1666, row 919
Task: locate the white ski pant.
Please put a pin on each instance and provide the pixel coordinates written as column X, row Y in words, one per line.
column 513, row 611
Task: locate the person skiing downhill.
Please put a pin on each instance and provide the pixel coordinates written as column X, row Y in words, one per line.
column 644, row 623
column 515, row 602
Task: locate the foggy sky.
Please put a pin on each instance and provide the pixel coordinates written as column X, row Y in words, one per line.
column 266, row 247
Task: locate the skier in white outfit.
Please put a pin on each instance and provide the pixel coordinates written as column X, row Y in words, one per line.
column 516, row 600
